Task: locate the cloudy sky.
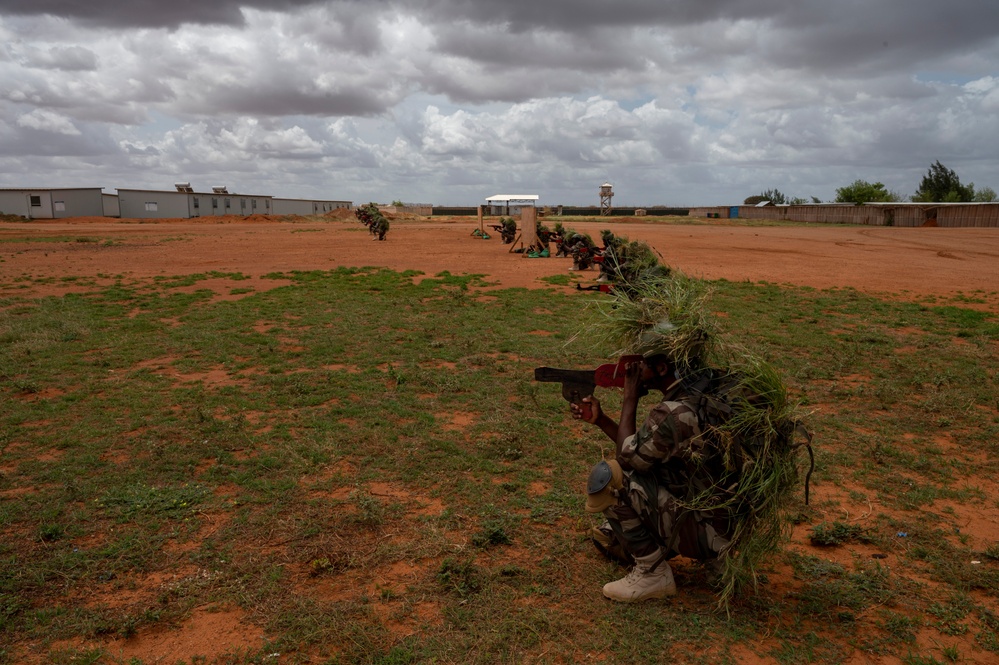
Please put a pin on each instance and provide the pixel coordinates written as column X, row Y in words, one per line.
column 675, row 102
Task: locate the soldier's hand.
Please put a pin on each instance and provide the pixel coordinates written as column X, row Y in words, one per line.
column 633, row 386
column 588, row 410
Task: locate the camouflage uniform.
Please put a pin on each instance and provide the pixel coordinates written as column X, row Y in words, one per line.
column 667, row 462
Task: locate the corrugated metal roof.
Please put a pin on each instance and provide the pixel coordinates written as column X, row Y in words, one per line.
column 514, row 197
column 174, row 191
column 45, row 189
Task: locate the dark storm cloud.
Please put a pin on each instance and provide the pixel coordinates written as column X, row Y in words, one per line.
column 278, row 101
column 873, row 37
column 501, row 49
column 574, row 15
column 519, row 15
column 145, row 13
column 713, row 96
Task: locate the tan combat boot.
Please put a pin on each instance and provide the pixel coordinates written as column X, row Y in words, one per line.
column 643, row 583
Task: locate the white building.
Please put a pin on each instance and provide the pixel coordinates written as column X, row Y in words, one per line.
column 509, row 204
column 185, row 203
column 306, row 206
column 48, row 203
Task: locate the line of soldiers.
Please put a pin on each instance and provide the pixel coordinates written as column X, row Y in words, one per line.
column 371, row 216
column 622, row 262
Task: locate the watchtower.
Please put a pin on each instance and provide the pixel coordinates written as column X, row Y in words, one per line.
column 606, row 194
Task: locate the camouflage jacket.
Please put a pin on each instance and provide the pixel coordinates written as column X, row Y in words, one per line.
column 671, row 445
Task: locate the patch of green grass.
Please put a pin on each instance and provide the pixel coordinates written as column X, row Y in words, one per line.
column 42, row 239
column 358, row 430
column 837, row 533
column 140, row 499
column 950, row 615
column 557, row 280
column 461, row 577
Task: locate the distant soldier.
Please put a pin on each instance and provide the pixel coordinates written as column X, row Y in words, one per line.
column 379, row 227
column 367, row 214
column 557, row 235
column 609, row 256
column 540, row 245
column 582, row 250
column 508, row 229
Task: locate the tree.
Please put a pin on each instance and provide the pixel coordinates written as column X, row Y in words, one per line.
column 941, row 185
column 862, row 191
column 773, row 195
column 985, row 195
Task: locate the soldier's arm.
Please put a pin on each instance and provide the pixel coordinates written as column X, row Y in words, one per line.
column 629, row 409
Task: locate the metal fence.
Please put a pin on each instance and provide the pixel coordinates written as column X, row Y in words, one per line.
column 623, row 212
column 555, row 211
column 872, row 214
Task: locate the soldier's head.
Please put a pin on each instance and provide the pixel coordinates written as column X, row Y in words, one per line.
column 659, row 372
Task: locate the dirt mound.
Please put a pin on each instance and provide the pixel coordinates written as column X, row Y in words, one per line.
column 340, row 213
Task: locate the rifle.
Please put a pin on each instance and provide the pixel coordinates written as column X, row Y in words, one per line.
column 580, row 383
column 602, row 288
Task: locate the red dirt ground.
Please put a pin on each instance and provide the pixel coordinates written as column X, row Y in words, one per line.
column 903, row 263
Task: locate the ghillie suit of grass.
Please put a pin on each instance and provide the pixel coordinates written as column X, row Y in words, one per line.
column 380, row 226
column 629, row 264
column 566, row 239
column 367, row 214
column 609, row 253
column 748, row 422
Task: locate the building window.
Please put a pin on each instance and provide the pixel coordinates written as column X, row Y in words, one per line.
column 267, row 204
column 227, row 204
column 242, row 204
column 36, row 202
column 215, row 202
column 60, row 206
column 253, row 204
column 197, row 203
column 152, row 206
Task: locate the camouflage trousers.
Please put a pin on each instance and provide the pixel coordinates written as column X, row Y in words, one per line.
column 647, row 517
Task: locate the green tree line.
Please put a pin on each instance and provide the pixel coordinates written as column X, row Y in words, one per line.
column 939, row 185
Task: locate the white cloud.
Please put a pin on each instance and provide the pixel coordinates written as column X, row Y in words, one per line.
column 48, row 121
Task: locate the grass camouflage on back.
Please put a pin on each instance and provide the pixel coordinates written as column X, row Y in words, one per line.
column 749, row 420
